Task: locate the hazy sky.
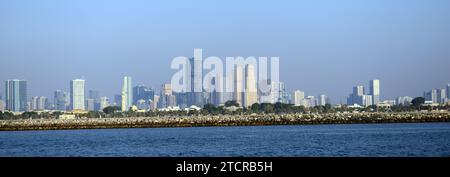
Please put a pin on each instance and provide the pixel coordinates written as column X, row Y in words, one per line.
column 325, row 46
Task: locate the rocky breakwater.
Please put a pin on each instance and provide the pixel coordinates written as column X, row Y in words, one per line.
column 223, row 120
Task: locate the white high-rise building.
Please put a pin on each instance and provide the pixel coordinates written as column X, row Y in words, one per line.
column 2, row 105
column 104, row 102
column 127, row 94
column 367, row 100
column 448, row 91
column 77, row 94
column 323, row 100
column 406, row 100
column 441, row 95
column 238, row 85
column 251, row 91
column 299, row 96
column 39, row 103
column 374, row 88
column 310, row 101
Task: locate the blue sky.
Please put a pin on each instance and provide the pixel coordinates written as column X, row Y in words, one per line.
column 325, row 46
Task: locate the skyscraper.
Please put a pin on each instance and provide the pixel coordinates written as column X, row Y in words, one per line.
column 238, row 85
column 323, row 100
column 127, row 94
column 448, row 91
column 94, row 94
column 90, row 104
column 251, row 91
column 194, row 93
column 374, row 88
column 275, row 91
column 39, row 103
column 299, row 96
column 61, row 100
column 104, row 102
column 2, row 105
column 117, row 100
column 432, row 96
column 141, row 92
column 356, row 96
column 310, row 101
column 366, row 100
column 441, row 95
column 16, row 95
column 167, row 98
column 217, row 95
column 283, row 96
column 77, row 94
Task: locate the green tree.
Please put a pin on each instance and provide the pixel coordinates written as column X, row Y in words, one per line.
column 417, row 102
column 232, row 103
column 210, row 108
column 111, row 109
column 28, row 115
column 268, row 108
column 256, row 108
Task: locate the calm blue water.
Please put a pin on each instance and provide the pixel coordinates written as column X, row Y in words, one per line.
column 428, row 139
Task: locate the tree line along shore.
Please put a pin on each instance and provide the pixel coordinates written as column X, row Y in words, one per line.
column 224, row 120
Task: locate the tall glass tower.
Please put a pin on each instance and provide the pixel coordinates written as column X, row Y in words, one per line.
column 127, row 94
column 16, row 95
column 375, row 91
column 77, row 94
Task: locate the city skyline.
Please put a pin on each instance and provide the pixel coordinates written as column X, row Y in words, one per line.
column 92, row 100
column 324, row 47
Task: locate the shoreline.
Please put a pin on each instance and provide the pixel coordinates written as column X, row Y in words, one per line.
column 223, row 121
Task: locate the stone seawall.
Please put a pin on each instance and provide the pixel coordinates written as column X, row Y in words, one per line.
column 223, row 120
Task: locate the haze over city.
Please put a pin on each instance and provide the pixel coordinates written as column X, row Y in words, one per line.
column 324, row 46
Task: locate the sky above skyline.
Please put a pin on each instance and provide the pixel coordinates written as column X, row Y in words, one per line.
column 325, row 46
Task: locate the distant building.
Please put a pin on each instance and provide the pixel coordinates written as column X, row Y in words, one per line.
column 441, row 96
column 39, row 103
column 127, row 94
column 16, row 95
column 448, row 92
column 323, row 100
column 77, row 94
column 406, row 101
column 194, row 94
column 389, row 102
column 283, row 96
column 366, row 100
column 118, row 100
column 251, row 91
column 356, row 96
column 90, row 104
column 142, row 92
column 61, row 100
column 154, row 103
column 431, row 96
column 166, row 97
column 94, row 94
column 239, row 85
column 374, row 91
column 2, row 105
column 299, row 96
column 142, row 105
column 104, row 102
column 309, row 101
